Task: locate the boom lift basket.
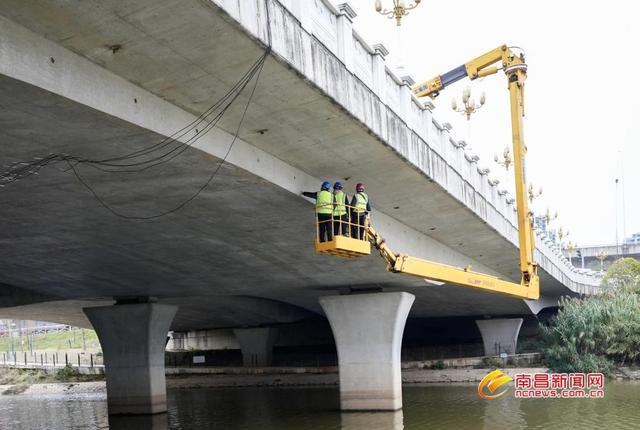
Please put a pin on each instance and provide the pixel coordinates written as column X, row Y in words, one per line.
column 340, row 237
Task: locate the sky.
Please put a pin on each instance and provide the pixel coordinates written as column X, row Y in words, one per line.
column 582, row 99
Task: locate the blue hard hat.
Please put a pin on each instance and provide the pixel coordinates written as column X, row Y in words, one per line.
column 337, row 186
column 326, row 185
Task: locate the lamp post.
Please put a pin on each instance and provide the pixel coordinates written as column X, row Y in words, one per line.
column 562, row 234
column 506, row 160
column 399, row 10
column 548, row 217
column 570, row 248
column 470, row 105
column 601, row 256
column 533, row 194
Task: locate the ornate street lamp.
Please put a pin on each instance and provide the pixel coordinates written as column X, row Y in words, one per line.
column 601, row 255
column 570, row 248
column 562, row 234
column 506, row 161
column 399, row 10
column 548, row 217
column 534, row 194
column 470, row 105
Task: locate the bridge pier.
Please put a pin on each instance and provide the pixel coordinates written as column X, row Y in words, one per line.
column 133, row 338
column 499, row 335
column 256, row 345
column 368, row 329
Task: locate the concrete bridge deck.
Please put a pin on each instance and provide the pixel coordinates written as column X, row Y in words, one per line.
column 314, row 116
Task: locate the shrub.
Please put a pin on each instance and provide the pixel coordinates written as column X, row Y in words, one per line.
column 67, row 373
column 623, row 275
column 594, row 334
column 439, row 365
column 491, row 363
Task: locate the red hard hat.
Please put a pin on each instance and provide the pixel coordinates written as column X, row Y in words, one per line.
column 359, row 186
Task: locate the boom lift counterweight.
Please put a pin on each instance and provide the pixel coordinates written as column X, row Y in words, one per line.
column 515, row 69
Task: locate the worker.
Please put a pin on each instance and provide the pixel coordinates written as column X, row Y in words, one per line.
column 324, row 210
column 360, row 208
column 340, row 204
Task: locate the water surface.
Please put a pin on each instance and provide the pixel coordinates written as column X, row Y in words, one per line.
column 425, row 407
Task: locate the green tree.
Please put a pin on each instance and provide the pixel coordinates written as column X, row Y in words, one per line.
column 597, row 333
column 623, row 274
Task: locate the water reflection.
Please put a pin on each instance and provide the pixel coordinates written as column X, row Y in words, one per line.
column 430, row 406
column 372, row 420
column 145, row 422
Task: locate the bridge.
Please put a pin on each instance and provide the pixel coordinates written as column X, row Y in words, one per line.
column 589, row 256
column 100, row 79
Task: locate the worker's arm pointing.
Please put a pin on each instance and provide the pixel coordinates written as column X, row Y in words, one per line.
column 310, row 195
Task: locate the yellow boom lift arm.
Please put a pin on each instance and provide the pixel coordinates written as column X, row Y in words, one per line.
column 515, row 69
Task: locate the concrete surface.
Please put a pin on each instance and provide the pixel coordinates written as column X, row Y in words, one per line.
column 367, row 329
column 256, row 345
column 133, row 338
column 499, row 335
column 326, row 107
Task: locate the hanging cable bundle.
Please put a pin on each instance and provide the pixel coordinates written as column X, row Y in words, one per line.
column 143, row 159
column 159, row 153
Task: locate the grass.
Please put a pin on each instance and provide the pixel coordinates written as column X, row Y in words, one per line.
column 21, row 379
column 53, row 341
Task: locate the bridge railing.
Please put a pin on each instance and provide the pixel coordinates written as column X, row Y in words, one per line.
column 344, row 220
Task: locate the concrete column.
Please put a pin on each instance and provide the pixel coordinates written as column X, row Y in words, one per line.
column 133, row 338
column 257, row 345
column 499, row 335
column 367, row 329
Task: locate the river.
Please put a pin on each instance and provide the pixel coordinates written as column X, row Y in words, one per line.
column 425, row 407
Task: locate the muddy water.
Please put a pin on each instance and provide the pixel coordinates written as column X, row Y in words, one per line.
column 425, row 407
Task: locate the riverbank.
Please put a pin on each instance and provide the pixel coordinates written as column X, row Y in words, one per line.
column 18, row 381
column 13, row 381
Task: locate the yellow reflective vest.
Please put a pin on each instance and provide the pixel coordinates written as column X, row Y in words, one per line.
column 339, row 209
column 324, row 202
column 361, row 202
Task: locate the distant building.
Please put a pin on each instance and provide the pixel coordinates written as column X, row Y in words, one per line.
column 634, row 239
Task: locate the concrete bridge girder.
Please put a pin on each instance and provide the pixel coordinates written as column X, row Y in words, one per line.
column 82, row 92
column 293, row 117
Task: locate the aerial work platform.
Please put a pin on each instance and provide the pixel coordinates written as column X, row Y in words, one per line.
column 342, row 246
column 340, row 237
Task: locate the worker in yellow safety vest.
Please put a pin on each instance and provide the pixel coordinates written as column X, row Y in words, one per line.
column 360, row 208
column 324, row 210
column 340, row 217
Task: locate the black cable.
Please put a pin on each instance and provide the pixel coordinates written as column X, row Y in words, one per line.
column 197, row 193
column 29, row 168
column 201, row 118
column 182, row 146
column 20, row 170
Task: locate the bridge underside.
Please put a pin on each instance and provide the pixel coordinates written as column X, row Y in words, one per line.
column 241, row 253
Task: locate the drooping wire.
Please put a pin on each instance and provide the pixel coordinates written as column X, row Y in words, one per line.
column 194, row 195
column 21, row 170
